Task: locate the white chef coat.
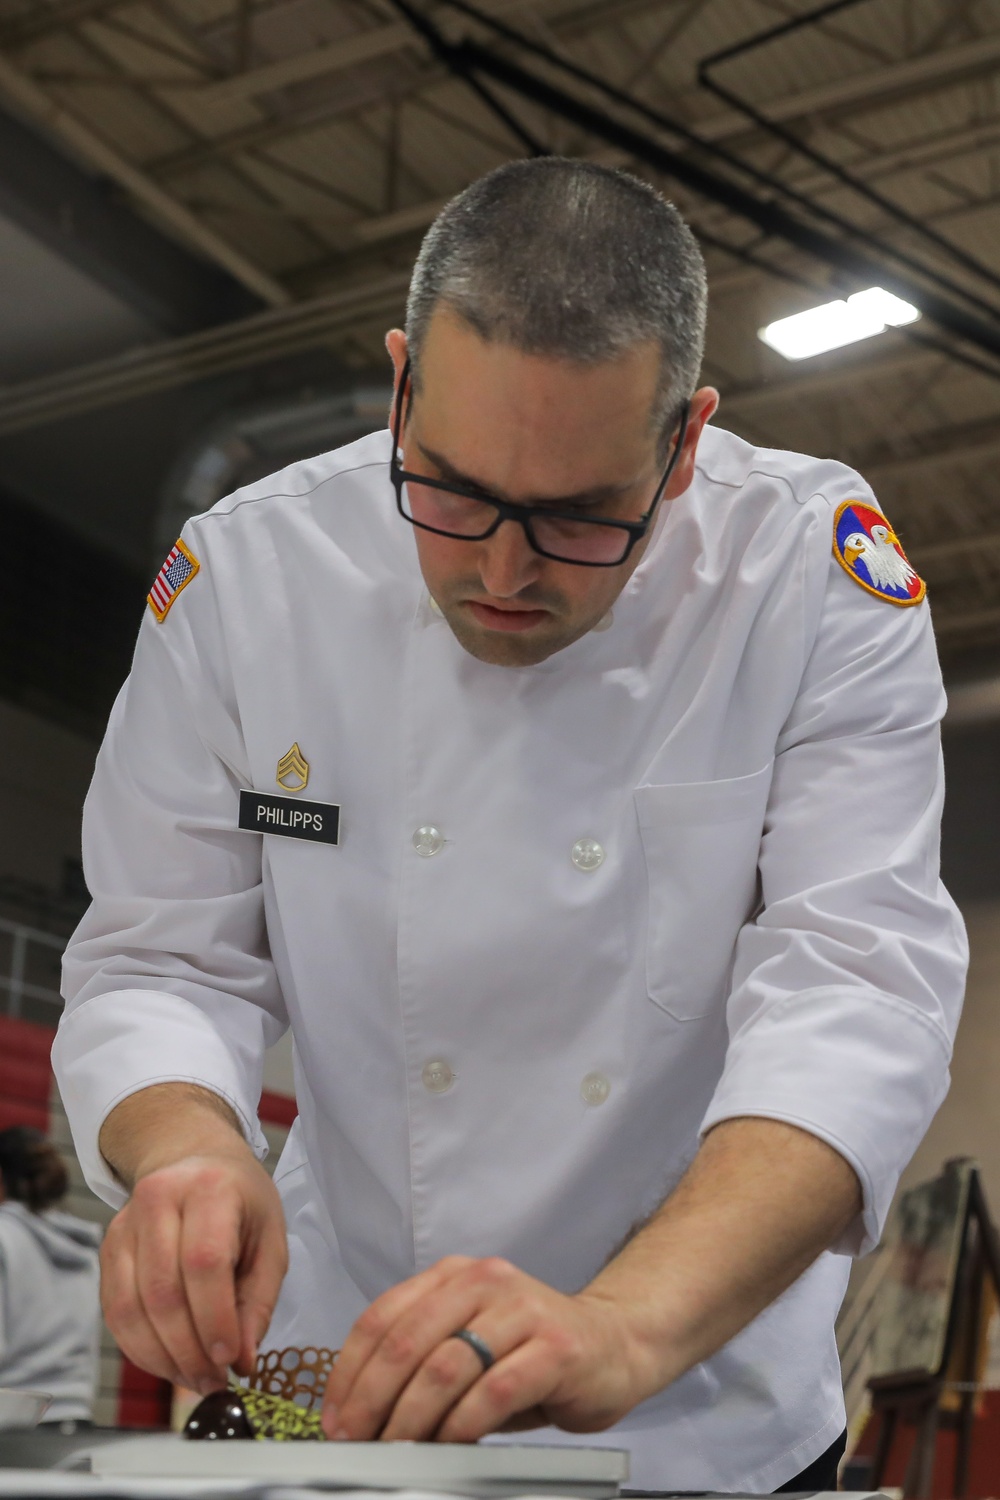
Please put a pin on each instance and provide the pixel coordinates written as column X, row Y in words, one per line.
column 498, row 1051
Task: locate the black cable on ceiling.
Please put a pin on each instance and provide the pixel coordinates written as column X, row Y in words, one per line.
column 503, row 114
column 444, row 51
column 676, row 127
column 467, row 56
column 772, row 127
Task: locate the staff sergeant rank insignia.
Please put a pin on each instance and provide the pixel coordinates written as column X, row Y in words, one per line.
column 866, row 546
column 263, row 812
column 293, row 771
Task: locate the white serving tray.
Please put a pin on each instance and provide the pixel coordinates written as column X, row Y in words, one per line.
column 493, row 1470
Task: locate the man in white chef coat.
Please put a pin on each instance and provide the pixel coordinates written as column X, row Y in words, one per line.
column 565, row 774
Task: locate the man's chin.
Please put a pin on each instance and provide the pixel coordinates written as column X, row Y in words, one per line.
column 502, row 648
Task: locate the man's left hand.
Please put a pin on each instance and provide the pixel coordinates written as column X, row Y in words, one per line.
column 759, row 1202
column 563, row 1360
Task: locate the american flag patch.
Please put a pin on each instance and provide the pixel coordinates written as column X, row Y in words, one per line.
column 176, row 573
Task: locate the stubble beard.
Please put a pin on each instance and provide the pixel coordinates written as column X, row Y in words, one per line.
column 502, row 649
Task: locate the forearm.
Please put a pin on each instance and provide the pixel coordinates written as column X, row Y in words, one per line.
column 760, row 1202
column 164, row 1124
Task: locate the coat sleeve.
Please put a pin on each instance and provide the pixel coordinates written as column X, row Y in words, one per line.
column 169, row 976
column 848, row 985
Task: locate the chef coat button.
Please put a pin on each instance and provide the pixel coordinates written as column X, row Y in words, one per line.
column 606, row 621
column 428, row 841
column 587, row 854
column 594, row 1089
column 437, row 1076
column 435, row 606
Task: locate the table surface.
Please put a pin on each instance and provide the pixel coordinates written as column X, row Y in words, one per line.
column 27, row 1459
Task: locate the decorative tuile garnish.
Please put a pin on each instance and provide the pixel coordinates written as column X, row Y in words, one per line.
column 298, row 1375
column 282, row 1402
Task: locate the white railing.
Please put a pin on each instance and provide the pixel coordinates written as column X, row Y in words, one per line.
column 15, row 985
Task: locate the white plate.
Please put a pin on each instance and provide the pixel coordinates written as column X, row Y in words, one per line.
column 22, row 1408
column 445, row 1468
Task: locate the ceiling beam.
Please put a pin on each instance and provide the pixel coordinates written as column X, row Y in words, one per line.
column 329, row 58
column 855, row 369
column 381, row 41
column 983, row 541
column 384, row 227
column 419, row 216
column 961, row 451
column 977, row 621
column 26, row 98
column 948, row 64
column 84, row 220
column 44, row 21
column 266, row 336
column 975, row 702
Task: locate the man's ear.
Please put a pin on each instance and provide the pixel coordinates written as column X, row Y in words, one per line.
column 395, row 342
column 703, row 405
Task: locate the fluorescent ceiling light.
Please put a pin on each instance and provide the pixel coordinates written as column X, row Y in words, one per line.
column 837, row 323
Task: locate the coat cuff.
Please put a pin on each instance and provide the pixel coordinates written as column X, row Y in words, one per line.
column 103, row 1052
column 861, row 1070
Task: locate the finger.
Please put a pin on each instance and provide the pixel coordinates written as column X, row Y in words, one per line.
column 261, row 1272
column 516, row 1387
column 208, row 1251
column 445, row 1376
column 375, row 1323
column 159, row 1279
column 123, row 1311
column 425, row 1332
column 453, row 1367
column 366, row 1335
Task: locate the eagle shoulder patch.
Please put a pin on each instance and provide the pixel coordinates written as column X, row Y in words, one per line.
column 869, row 550
column 177, row 572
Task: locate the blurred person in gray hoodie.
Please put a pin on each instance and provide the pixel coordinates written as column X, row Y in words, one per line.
column 49, row 1280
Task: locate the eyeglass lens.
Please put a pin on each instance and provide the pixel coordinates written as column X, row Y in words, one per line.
column 463, row 516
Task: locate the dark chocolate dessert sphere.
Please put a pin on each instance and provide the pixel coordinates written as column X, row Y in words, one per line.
column 220, row 1415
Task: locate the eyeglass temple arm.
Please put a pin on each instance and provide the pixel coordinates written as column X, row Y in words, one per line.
column 672, row 462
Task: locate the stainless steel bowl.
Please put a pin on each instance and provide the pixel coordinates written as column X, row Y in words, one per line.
column 22, row 1408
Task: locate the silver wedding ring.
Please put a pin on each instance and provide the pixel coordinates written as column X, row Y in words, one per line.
column 480, row 1346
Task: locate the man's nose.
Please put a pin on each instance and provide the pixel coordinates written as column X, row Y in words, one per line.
column 507, row 561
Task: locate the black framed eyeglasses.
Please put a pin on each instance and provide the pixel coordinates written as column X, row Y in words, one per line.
column 454, row 510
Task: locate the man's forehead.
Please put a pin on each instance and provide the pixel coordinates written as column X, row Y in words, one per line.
column 452, row 346
column 525, row 425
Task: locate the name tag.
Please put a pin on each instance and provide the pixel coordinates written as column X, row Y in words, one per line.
column 261, row 812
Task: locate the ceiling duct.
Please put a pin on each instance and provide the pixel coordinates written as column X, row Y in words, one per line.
column 246, row 445
column 165, row 365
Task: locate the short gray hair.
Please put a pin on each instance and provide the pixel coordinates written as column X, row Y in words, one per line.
column 570, row 259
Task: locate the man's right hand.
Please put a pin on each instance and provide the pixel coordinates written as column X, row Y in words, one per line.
column 192, row 1265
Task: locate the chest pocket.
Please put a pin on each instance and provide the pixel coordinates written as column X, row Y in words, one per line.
column 701, row 842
